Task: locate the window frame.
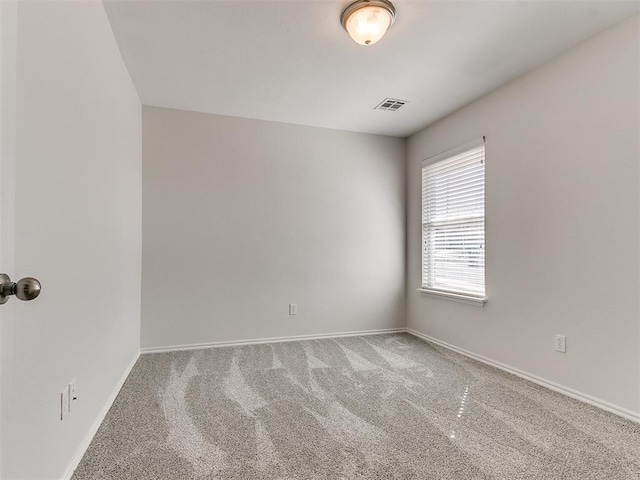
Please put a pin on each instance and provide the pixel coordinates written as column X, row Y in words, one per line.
column 464, row 297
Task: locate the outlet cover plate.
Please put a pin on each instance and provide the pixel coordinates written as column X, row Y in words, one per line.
column 64, row 403
column 73, row 394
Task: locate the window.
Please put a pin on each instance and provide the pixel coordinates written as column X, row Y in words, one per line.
column 453, row 223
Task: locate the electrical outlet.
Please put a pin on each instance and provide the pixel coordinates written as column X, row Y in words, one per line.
column 561, row 344
column 293, row 309
column 73, row 394
column 64, row 403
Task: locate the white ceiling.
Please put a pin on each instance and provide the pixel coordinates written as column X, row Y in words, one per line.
column 291, row 61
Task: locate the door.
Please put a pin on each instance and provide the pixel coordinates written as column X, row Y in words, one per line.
column 70, row 215
column 8, row 13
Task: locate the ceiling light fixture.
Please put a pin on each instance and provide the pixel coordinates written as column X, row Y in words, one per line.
column 367, row 21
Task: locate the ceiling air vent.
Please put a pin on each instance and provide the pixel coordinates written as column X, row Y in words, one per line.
column 391, row 104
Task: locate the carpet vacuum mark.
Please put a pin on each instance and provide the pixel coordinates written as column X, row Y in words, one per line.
column 370, row 407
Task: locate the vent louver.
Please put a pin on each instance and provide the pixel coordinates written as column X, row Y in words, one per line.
column 391, row 104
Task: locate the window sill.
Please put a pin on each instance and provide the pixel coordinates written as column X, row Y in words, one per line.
column 457, row 297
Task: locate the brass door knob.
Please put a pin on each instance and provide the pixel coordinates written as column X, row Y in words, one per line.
column 26, row 289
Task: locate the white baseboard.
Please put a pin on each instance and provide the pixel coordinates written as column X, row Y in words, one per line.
column 583, row 397
column 195, row 346
column 82, row 448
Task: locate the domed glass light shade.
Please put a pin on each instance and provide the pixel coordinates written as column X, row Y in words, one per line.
column 367, row 21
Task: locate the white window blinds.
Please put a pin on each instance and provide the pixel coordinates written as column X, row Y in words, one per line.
column 453, row 221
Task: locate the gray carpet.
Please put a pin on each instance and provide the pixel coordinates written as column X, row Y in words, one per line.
column 374, row 407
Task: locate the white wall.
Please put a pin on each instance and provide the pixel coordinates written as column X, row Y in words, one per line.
column 242, row 217
column 562, row 203
column 77, row 207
